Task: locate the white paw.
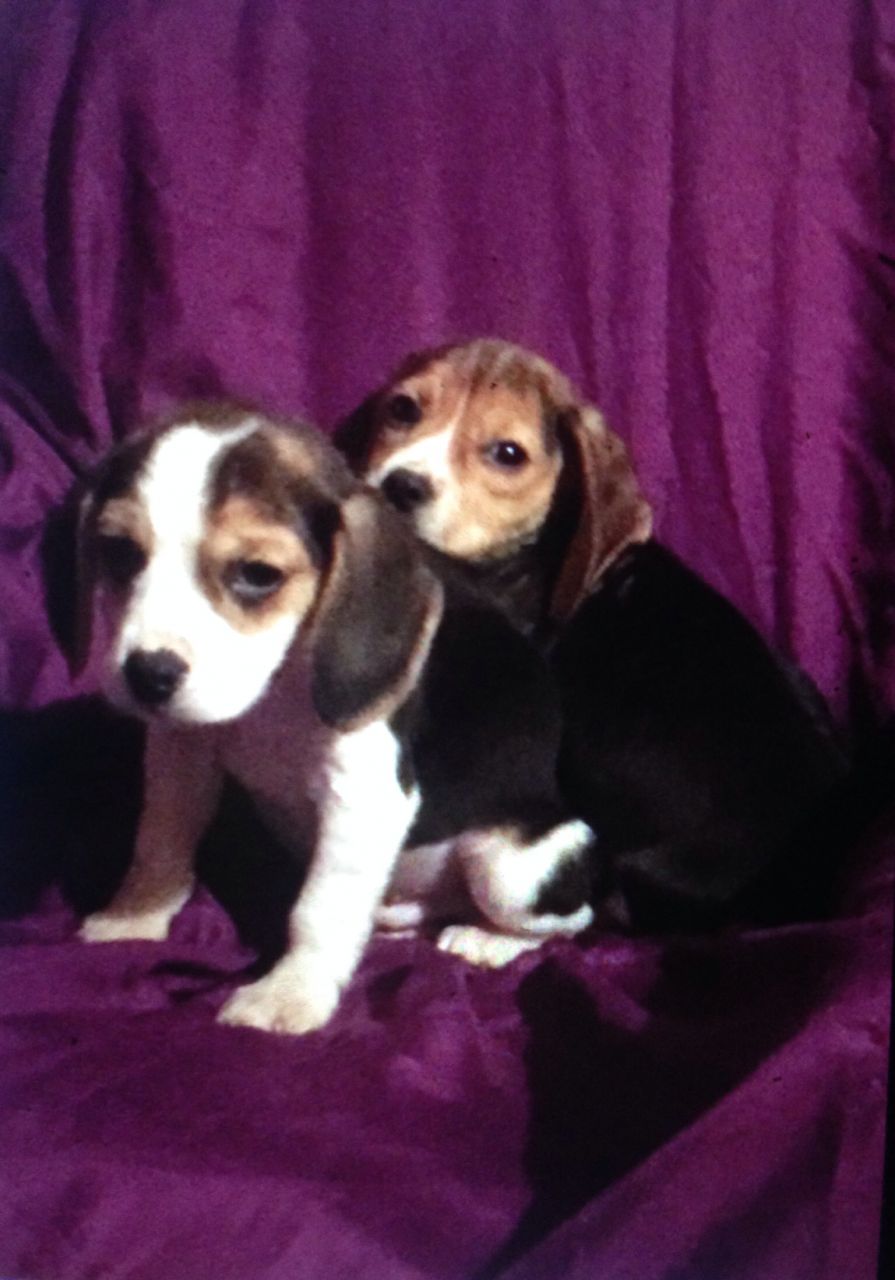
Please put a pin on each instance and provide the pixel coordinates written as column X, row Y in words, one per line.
column 284, row 1001
column 562, row 926
column 106, row 927
column 400, row 917
column 482, row 946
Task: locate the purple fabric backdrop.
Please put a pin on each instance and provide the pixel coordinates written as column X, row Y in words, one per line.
column 683, row 204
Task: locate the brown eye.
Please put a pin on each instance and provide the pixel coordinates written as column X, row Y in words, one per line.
column 506, row 453
column 120, row 558
column 252, row 581
column 404, row 410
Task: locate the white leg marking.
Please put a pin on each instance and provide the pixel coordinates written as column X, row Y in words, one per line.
column 364, row 820
column 505, row 876
column 181, row 788
column 484, row 947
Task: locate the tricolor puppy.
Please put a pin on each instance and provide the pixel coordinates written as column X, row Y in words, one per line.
column 269, row 616
column 696, row 754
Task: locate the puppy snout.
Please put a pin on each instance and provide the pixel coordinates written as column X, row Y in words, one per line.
column 153, row 676
column 407, row 489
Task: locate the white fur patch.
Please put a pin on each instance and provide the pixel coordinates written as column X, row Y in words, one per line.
column 228, row 669
column 429, row 457
column 505, row 876
column 484, row 947
column 294, row 998
column 364, row 820
column 401, row 919
column 491, row 873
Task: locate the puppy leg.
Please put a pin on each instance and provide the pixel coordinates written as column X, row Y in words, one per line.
column 181, row 788
column 426, row 885
column 528, row 890
column 364, row 819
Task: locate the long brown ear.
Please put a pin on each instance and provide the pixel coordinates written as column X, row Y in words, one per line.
column 373, row 624
column 612, row 511
column 68, row 575
column 353, row 436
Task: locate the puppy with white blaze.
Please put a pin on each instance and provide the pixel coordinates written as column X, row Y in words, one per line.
column 271, row 618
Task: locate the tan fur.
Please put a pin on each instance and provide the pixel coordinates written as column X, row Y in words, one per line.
column 488, row 391
column 125, row 517
column 253, row 518
column 295, row 455
column 613, row 513
column 488, row 394
column 180, row 791
column 238, row 530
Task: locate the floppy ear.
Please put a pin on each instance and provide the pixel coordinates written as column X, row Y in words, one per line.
column 353, row 436
column 612, row 511
column 68, row 577
column 376, row 615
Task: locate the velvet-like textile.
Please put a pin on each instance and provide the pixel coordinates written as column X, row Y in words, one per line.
column 684, row 204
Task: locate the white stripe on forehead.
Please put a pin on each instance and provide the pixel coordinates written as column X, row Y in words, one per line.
column 227, row 671
column 429, row 455
column 175, row 479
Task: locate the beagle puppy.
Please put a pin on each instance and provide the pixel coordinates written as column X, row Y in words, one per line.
column 269, row 617
column 697, row 755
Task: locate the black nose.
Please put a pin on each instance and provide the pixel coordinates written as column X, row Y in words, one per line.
column 153, row 676
column 406, row 489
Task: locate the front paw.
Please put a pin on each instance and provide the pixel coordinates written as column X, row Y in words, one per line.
column 105, row 927
column 286, row 1001
column 484, row 947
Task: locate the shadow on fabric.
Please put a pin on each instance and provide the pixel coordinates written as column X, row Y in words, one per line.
column 70, row 795
column 602, row 1097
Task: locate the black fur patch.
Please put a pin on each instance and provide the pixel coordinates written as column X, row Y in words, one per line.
column 567, row 889
column 118, row 474
column 483, row 729
column 688, row 745
column 372, row 613
column 700, row 757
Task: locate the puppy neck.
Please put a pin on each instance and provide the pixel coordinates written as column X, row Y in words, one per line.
column 517, row 584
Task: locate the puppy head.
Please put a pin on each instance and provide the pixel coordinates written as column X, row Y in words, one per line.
column 479, row 445
column 208, row 546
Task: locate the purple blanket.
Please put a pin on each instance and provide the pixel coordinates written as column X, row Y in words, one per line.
column 681, row 203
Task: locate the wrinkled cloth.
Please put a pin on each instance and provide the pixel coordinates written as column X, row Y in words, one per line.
column 685, row 205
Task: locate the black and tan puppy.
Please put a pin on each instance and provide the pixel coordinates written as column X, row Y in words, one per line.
column 697, row 755
column 270, row 617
